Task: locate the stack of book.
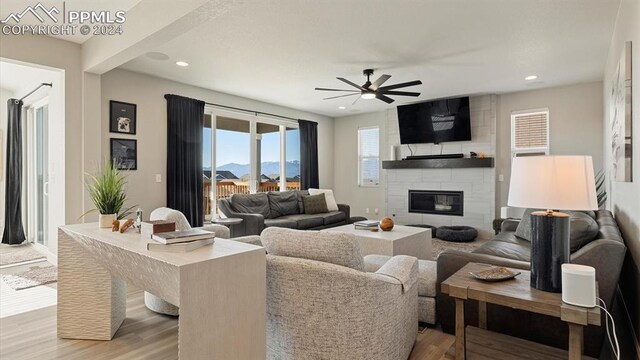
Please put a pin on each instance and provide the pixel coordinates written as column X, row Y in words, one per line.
column 366, row 225
column 174, row 241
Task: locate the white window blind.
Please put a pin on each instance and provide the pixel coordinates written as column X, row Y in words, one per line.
column 530, row 133
column 369, row 156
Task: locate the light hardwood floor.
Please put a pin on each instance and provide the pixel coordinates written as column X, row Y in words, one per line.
column 143, row 335
column 13, row 302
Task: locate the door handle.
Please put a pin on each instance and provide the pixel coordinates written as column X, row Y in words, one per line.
column 46, row 188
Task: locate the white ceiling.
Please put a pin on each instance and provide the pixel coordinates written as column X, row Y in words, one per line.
column 278, row 51
column 21, row 79
column 17, row 6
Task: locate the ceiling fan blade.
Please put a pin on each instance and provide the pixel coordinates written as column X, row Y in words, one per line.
column 350, row 83
column 381, row 80
column 384, row 98
column 339, row 96
column 355, row 101
column 396, row 86
column 325, row 89
column 401, row 93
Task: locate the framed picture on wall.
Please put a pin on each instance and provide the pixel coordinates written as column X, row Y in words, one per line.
column 124, row 153
column 122, row 117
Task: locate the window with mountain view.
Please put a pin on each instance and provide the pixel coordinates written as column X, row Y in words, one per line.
column 232, row 159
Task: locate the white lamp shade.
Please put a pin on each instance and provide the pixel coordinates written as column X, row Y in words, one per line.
column 553, row 182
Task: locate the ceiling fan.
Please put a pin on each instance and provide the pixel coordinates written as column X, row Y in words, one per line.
column 373, row 90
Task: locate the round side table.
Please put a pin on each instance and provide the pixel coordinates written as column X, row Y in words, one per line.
column 228, row 222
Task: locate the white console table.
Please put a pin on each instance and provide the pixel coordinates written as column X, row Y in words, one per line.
column 220, row 289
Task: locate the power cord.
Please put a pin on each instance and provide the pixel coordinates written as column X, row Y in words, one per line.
column 411, row 151
column 616, row 348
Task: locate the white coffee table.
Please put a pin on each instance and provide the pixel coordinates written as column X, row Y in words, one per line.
column 402, row 240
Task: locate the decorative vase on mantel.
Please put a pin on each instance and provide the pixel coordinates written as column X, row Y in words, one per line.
column 106, row 220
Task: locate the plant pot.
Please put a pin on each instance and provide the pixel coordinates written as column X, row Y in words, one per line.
column 106, row 220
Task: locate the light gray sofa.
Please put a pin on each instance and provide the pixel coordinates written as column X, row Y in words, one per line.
column 321, row 304
column 278, row 209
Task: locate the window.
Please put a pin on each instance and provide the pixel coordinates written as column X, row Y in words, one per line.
column 369, row 156
column 530, row 133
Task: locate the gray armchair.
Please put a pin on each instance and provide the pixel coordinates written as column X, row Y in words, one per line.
column 321, row 304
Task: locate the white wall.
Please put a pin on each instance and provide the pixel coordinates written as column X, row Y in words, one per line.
column 63, row 55
column 148, row 93
column 345, row 160
column 392, row 202
column 624, row 197
column 5, row 95
column 575, row 125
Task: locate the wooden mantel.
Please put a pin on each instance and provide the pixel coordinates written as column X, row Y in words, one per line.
column 458, row 163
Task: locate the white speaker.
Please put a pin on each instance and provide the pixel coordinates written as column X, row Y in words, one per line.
column 579, row 285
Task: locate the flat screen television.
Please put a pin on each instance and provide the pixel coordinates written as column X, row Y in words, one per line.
column 435, row 121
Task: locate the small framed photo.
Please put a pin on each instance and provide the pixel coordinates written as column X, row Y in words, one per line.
column 124, row 153
column 122, row 117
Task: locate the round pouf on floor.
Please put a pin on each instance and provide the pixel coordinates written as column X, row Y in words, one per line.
column 457, row 233
column 434, row 229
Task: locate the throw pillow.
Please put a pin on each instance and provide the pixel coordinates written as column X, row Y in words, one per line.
column 332, row 205
column 583, row 229
column 524, row 227
column 330, row 247
column 283, row 203
column 315, row 204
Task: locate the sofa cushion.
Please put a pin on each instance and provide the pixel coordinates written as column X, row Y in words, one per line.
column 583, row 229
column 330, row 247
column 332, row 205
column 508, row 250
column 315, row 204
column 282, row 203
column 510, row 237
column 280, row 222
column 333, row 217
column 301, row 194
column 251, row 204
column 305, row 221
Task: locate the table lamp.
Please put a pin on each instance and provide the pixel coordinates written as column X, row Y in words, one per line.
column 552, row 183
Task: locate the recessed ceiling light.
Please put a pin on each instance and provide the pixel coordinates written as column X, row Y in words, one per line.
column 531, row 77
column 182, row 63
column 368, row 96
column 342, row 107
column 157, row 56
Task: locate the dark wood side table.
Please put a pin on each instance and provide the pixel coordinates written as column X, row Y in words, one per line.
column 518, row 294
column 228, row 222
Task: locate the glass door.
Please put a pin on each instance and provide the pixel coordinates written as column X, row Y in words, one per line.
column 41, row 173
column 246, row 154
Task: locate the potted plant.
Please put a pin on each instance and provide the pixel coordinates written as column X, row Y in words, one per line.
column 107, row 191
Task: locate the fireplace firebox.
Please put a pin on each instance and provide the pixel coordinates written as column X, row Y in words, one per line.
column 436, row 202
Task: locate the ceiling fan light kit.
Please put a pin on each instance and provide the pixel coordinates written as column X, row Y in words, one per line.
column 374, row 90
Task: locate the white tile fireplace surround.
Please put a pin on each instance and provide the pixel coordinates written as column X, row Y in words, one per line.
column 477, row 184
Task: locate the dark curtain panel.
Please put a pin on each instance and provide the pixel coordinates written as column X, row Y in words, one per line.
column 308, row 154
column 185, row 120
column 13, row 229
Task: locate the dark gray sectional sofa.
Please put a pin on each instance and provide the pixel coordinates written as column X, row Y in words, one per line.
column 605, row 253
column 279, row 209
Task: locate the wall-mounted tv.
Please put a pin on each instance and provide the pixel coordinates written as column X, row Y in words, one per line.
column 435, row 121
